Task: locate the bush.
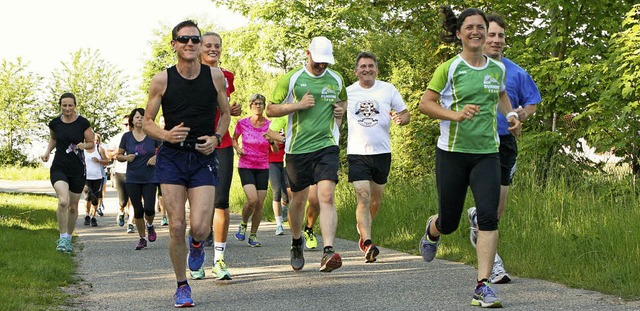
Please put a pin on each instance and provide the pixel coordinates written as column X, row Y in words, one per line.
column 14, row 157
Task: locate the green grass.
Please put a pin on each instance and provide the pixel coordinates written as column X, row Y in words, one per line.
column 24, row 173
column 32, row 270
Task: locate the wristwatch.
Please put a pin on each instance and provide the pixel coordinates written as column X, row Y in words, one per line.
column 219, row 137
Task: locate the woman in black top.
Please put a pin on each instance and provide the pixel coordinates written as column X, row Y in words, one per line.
column 70, row 135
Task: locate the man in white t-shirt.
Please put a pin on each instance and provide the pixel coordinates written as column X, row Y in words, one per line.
column 372, row 106
column 120, row 169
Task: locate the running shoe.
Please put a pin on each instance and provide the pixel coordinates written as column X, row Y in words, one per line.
column 198, row 274
column 242, row 232
column 428, row 248
column 297, row 257
column 279, row 230
column 62, row 245
column 196, row 255
column 131, row 228
column 183, row 297
column 152, row 234
column 87, row 220
column 220, row 270
column 484, row 296
column 310, row 239
column 94, row 222
column 121, row 220
column 284, row 213
column 371, row 253
column 101, row 210
column 69, row 246
column 142, row 243
column 253, row 241
column 164, row 221
column 472, row 214
column 330, row 261
column 498, row 274
column 209, row 240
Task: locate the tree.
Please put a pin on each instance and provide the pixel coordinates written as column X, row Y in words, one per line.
column 99, row 87
column 19, row 91
column 614, row 119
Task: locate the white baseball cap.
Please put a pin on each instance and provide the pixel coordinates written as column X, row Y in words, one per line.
column 321, row 50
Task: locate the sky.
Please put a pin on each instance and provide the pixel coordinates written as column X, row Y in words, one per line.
column 46, row 32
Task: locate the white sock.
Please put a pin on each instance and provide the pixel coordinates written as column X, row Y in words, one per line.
column 497, row 258
column 279, row 220
column 66, row 236
column 218, row 250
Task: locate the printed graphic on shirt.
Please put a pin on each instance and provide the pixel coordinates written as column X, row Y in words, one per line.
column 367, row 113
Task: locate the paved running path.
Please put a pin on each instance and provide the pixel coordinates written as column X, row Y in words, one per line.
column 114, row 276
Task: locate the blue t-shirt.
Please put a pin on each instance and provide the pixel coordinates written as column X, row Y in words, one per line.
column 138, row 172
column 521, row 89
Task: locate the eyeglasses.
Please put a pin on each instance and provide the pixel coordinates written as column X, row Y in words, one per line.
column 185, row 39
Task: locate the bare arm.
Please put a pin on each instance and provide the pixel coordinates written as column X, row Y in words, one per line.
column 223, row 102
column 504, row 104
column 338, row 111
column 50, row 147
column 401, row 118
column 525, row 112
column 429, row 106
column 276, row 110
column 236, row 144
column 89, row 139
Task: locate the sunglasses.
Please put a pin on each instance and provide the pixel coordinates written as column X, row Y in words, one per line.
column 185, row 39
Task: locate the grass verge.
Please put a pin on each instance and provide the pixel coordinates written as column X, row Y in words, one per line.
column 33, row 272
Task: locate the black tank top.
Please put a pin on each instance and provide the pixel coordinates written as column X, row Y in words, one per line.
column 193, row 102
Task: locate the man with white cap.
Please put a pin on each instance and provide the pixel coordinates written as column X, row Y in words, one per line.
column 314, row 97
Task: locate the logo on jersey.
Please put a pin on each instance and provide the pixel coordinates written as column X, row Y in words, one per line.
column 329, row 94
column 367, row 113
column 491, row 84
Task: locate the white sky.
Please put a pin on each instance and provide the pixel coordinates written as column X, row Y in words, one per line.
column 45, row 32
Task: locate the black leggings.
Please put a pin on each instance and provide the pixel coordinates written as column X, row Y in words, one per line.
column 225, row 174
column 95, row 191
column 123, row 196
column 142, row 193
column 455, row 172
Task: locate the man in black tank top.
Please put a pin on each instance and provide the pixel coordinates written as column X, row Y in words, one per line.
column 190, row 94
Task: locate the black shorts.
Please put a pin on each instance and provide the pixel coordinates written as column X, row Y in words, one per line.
column 257, row 177
column 304, row 170
column 76, row 182
column 508, row 158
column 369, row 167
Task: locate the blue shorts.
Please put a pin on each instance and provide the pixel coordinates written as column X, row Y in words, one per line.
column 187, row 168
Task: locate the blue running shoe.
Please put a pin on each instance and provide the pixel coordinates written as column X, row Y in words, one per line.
column 428, row 248
column 183, row 297
column 196, row 255
column 242, row 232
column 484, row 296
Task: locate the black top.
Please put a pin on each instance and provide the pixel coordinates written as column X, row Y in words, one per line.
column 68, row 157
column 193, row 102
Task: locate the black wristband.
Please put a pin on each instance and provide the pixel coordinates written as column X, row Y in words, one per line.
column 219, row 137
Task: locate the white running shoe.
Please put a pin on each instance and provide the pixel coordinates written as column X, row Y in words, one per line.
column 473, row 221
column 498, row 273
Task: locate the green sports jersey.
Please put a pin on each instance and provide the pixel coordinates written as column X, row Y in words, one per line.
column 314, row 128
column 460, row 84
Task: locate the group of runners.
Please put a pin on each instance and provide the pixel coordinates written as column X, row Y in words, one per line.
column 480, row 98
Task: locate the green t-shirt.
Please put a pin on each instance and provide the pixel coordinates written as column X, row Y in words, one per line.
column 460, row 84
column 314, row 128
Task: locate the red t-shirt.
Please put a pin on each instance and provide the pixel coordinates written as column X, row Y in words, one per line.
column 228, row 76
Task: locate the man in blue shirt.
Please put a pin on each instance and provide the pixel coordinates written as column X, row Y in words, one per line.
column 524, row 96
